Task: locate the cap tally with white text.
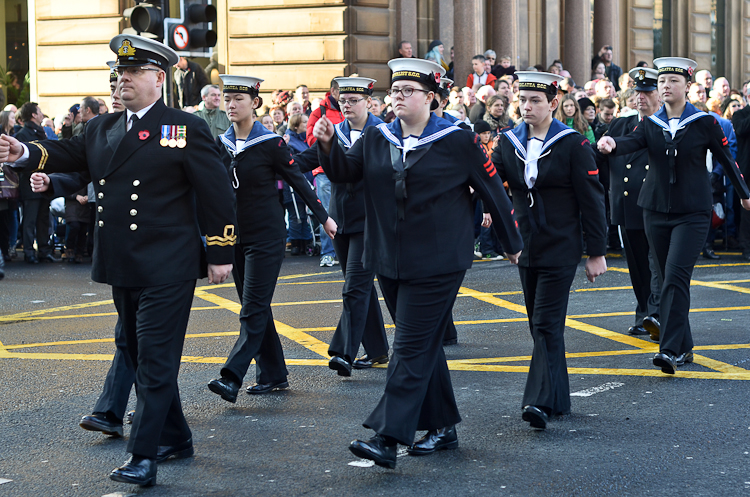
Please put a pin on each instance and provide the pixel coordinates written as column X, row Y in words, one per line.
column 241, row 84
column 644, row 77
column 134, row 50
column 676, row 65
column 420, row 70
column 539, row 81
column 112, row 71
column 361, row 86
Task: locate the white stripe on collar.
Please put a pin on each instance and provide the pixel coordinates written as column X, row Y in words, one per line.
column 681, row 124
column 552, row 140
column 383, row 127
column 344, row 139
column 233, row 149
column 516, row 142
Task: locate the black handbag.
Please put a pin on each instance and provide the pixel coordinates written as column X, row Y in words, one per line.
column 8, row 183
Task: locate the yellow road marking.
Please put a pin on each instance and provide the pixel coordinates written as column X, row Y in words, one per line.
column 720, row 286
column 40, row 312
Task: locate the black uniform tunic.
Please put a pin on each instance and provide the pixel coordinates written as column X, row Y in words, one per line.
column 627, row 175
column 677, row 201
column 148, row 245
column 411, row 199
column 253, row 167
column 566, row 200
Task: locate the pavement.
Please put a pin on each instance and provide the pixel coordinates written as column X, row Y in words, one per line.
column 632, row 431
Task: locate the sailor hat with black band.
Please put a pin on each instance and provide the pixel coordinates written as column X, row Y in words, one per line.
column 539, row 81
column 420, row 70
column 644, row 77
column 134, row 50
column 445, row 87
column 361, row 86
column 112, row 71
column 676, row 65
column 241, row 84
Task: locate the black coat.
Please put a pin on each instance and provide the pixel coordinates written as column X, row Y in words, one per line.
column 691, row 190
column 260, row 215
column 436, row 234
column 568, row 198
column 741, row 123
column 30, row 132
column 626, row 176
column 147, row 231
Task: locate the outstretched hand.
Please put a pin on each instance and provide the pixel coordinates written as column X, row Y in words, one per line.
column 595, row 266
column 11, row 149
column 323, row 133
column 39, row 182
column 606, row 144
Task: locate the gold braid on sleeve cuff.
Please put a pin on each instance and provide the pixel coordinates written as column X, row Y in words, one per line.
column 45, row 155
column 228, row 239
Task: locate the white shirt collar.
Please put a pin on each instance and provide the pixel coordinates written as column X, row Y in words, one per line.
column 140, row 113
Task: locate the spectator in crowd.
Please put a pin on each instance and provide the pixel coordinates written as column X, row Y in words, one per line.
column 292, row 109
column 607, row 111
column 569, row 112
column 89, row 109
column 405, row 50
column 376, row 107
column 590, row 87
column 435, row 54
column 642, row 63
column 459, row 112
column 35, row 224
column 189, row 78
column 49, row 127
column 469, row 97
column 76, row 223
column 479, row 77
column 299, row 234
column 721, row 88
column 598, row 70
column 605, row 89
column 714, row 105
column 329, row 107
column 490, row 56
column 478, row 110
column 102, row 106
column 267, row 122
column 628, row 100
column 496, row 114
column 8, row 206
column 553, row 69
column 504, row 67
column 278, row 114
column 302, row 95
column 504, row 87
column 217, row 119
column 729, row 106
column 745, row 93
column 568, row 85
column 705, row 78
column 626, row 82
column 697, row 93
column 588, row 110
column 612, row 70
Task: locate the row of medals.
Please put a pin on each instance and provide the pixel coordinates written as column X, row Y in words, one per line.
column 173, row 142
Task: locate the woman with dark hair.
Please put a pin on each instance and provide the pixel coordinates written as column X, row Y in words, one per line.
column 254, row 157
column 416, row 171
column 570, row 113
column 676, row 198
column 730, row 105
column 496, row 114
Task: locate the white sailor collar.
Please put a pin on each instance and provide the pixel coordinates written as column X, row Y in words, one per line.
column 436, row 129
column 689, row 115
column 519, row 135
column 344, row 129
column 257, row 135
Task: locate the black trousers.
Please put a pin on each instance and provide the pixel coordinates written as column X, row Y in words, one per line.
column 643, row 274
column 677, row 240
column 744, row 234
column 154, row 321
column 75, row 236
column 361, row 319
column 35, row 225
column 546, row 291
column 418, row 391
column 120, row 378
column 256, row 269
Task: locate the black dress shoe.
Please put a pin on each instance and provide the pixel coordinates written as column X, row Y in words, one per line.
column 129, row 417
column 376, row 450
column 365, row 362
column 442, row 439
column 652, row 325
column 683, row 359
column 99, row 422
column 136, row 470
column 179, row 451
column 31, row 260
column 536, row 417
column 225, row 387
column 665, row 361
column 710, row 254
column 49, row 258
column 452, row 341
column 637, row 330
column 261, row 388
column 340, row 365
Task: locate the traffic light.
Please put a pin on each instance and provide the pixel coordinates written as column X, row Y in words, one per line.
column 193, row 34
column 146, row 19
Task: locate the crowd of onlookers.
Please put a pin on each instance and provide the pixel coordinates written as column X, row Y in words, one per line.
column 487, row 102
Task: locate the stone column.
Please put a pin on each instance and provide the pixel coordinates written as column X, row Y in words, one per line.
column 606, row 30
column 444, row 24
column 577, row 56
column 467, row 37
column 407, row 25
column 505, row 29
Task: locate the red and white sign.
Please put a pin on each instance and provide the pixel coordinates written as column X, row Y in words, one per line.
column 180, row 37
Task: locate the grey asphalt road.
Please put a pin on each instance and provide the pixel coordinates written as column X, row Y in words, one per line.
column 632, row 431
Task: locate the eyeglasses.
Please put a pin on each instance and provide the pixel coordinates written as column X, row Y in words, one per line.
column 350, row 101
column 407, row 91
column 135, row 71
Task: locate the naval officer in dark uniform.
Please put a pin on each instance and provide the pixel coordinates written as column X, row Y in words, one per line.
column 676, row 197
column 417, row 172
column 627, row 174
column 552, row 174
column 148, row 165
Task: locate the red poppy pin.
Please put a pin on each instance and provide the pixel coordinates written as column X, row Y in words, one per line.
column 555, row 84
column 257, row 85
column 437, row 77
column 371, row 85
column 690, row 71
column 143, row 135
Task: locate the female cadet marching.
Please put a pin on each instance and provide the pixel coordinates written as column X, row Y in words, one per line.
column 417, row 171
column 361, row 319
column 254, row 157
column 676, row 197
column 552, row 175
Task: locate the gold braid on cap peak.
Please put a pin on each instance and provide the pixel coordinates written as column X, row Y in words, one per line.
column 45, row 155
column 228, row 239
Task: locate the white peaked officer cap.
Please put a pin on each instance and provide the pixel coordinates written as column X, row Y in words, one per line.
column 420, row 70
column 676, row 65
column 241, row 84
column 644, row 77
column 539, row 81
column 112, row 71
column 134, row 50
column 362, row 86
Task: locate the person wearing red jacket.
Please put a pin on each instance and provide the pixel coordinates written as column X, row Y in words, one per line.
column 329, row 108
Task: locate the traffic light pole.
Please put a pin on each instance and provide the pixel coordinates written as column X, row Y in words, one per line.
column 169, row 80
